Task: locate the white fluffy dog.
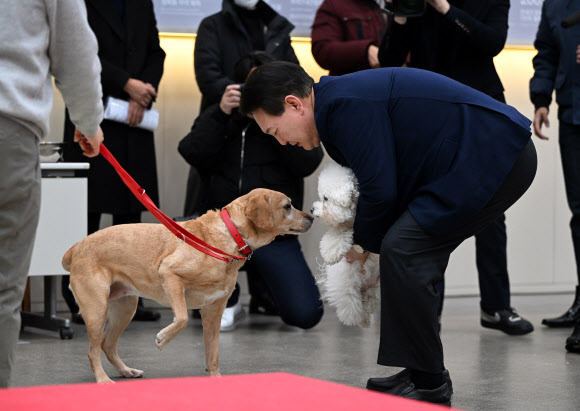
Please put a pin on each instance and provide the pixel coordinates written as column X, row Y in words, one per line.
column 354, row 294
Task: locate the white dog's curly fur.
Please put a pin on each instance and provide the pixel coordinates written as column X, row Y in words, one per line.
column 354, row 295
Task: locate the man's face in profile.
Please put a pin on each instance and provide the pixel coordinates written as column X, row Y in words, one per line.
column 295, row 126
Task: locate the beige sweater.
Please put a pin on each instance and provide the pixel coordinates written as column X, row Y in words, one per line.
column 40, row 38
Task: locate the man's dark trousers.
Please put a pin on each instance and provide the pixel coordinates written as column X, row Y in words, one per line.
column 570, row 152
column 412, row 262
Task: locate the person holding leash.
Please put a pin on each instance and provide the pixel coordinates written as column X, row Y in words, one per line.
column 436, row 162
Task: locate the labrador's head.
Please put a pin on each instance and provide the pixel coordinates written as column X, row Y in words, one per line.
column 272, row 212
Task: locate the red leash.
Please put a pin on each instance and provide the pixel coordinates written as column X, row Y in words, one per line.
column 175, row 228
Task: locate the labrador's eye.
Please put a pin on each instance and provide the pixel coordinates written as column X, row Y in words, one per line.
column 288, row 206
column 325, row 198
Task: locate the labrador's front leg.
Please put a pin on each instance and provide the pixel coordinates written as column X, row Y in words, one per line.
column 211, row 319
column 176, row 293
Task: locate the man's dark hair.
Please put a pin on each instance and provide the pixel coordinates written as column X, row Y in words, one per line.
column 246, row 63
column 269, row 84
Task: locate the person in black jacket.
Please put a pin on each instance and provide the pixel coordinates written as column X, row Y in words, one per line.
column 237, row 157
column 241, row 27
column 459, row 38
column 132, row 65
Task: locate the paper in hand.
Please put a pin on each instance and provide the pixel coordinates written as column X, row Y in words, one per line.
column 117, row 110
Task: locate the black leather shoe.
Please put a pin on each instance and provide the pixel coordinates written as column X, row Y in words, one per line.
column 507, row 320
column 387, row 383
column 145, row 315
column 573, row 342
column 569, row 318
column 401, row 386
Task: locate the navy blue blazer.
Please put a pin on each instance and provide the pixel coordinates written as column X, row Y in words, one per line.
column 555, row 64
column 417, row 140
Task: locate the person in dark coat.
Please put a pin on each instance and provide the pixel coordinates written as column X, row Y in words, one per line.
column 555, row 68
column 132, row 62
column 459, row 39
column 237, row 157
column 436, row 162
column 346, row 35
column 222, row 40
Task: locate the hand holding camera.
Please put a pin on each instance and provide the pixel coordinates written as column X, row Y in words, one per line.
column 231, row 98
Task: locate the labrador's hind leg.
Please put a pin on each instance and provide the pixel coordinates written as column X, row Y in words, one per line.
column 121, row 311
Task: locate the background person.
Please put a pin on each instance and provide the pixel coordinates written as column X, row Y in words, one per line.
column 555, row 68
column 132, row 63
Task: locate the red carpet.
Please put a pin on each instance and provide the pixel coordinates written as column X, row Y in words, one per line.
column 279, row 391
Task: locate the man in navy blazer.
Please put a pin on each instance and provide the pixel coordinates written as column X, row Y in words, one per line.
column 436, row 162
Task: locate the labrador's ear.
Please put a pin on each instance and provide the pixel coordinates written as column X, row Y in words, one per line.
column 259, row 212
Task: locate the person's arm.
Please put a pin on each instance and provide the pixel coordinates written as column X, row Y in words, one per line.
column 202, row 145
column 362, row 132
column 211, row 80
column 329, row 48
column 489, row 35
column 396, row 42
column 300, row 162
column 76, row 68
column 545, row 67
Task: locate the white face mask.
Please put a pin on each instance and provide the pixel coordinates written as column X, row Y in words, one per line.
column 247, row 4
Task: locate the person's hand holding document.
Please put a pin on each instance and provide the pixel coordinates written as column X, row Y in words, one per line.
column 134, row 112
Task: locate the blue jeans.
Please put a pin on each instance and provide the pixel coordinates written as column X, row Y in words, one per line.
column 570, row 153
column 282, row 267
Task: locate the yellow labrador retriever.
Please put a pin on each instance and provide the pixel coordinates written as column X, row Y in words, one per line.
column 111, row 268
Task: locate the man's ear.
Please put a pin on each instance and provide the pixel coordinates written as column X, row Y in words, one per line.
column 294, row 102
column 259, row 212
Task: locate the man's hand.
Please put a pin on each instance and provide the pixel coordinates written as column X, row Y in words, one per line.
column 373, row 56
column 135, row 113
column 141, row 92
column 230, row 98
column 352, row 256
column 442, row 6
column 540, row 118
column 578, row 54
column 89, row 144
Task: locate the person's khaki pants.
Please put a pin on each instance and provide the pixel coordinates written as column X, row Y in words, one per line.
column 19, row 210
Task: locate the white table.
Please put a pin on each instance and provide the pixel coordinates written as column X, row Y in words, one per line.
column 62, row 223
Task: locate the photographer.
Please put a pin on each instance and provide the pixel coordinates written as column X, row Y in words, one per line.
column 459, row 39
column 237, row 157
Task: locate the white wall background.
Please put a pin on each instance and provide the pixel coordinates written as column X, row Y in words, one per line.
column 540, row 252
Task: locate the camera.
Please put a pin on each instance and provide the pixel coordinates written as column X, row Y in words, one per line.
column 405, row 8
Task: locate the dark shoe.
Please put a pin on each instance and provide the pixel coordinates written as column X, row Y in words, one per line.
column 507, row 320
column 77, row 318
column 569, row 318
column 573, row 342
column 401, row 385
column 385, row 384
column 262, row 307
column 145, row 315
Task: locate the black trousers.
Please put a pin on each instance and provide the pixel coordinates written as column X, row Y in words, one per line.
column 412, row 262
column 570, row 153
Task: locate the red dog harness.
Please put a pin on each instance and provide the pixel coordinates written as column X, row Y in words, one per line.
column 175, row 228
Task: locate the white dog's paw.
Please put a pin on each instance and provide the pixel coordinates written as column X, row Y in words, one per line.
column 132, row 373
